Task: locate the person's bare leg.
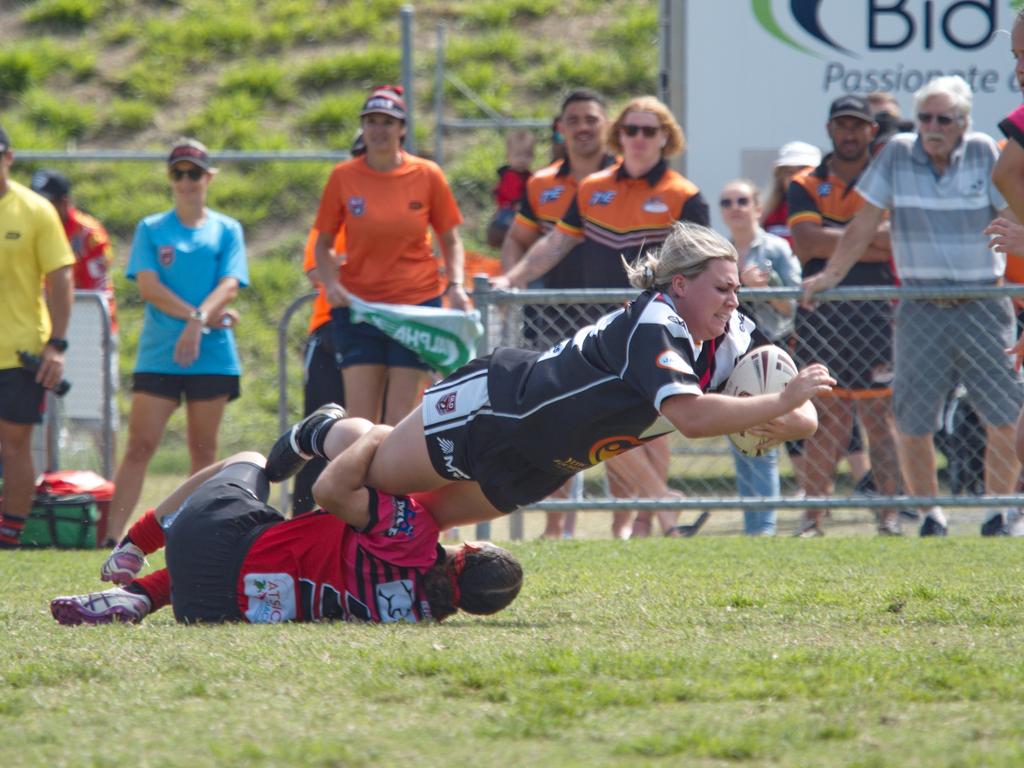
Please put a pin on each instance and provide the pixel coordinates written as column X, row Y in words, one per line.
column 823, row 449
column 19, row 472
column 364, row 391
column 877, row 419
column 146, row 423
column 917, row 463
column 404, row 388
column 554, row 521
column 1001, row 465
column 204, row 418
column 1019, row 441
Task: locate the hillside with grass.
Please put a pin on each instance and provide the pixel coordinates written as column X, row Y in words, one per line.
column 287, row 75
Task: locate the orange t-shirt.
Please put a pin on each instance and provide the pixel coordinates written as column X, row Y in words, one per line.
column 1014, row 262
column 387, row 218
column 321, row 309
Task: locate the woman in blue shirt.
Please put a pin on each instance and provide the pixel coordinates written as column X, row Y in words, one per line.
column 189, row 263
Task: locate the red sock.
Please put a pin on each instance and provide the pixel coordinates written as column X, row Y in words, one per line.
column 146, row 533
column 157, row 586
column 10, row 530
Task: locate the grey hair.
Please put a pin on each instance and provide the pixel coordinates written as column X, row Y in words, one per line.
column 686, row 251
column 953, row 86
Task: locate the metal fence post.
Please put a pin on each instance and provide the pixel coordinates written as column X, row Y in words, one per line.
column 439, row 98
column 406, row 15
column 481, row 300
column 282, row 376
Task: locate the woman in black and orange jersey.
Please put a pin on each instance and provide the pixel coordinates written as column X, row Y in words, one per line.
column 388, row 201
column 507, row 429
column 618, row 212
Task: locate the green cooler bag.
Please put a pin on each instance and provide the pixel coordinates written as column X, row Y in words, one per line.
column 61, row 521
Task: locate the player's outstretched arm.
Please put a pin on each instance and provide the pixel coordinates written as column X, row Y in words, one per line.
column 341, row 487
column 713, row 414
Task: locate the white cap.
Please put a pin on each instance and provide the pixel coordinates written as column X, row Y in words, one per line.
column 798, row 153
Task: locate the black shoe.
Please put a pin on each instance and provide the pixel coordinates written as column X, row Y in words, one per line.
column 932, row 527
column 295, row 447
column 866, row 485
column 995, row 526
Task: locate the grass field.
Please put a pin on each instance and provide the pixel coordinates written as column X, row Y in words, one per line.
column 713, row 651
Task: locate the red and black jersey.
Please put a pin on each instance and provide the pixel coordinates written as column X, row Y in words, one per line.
column 315, row 567
column 618, row 216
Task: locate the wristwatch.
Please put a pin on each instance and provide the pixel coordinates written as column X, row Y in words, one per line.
column 61, row 345
column 198, row 314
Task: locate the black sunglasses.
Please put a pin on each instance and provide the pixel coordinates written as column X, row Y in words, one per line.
column 926, row 117
column 741, row 202
column 193, row 173
column 649, row 131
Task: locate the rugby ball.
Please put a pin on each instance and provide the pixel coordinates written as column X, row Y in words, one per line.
column 764, row 370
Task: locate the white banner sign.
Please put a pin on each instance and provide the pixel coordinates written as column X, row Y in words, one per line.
column 760, row 73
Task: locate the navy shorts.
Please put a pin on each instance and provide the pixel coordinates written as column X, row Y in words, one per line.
column 173, row 386
column 22, row 401
column 209, row 537
column 363, row 344
column 466, row 442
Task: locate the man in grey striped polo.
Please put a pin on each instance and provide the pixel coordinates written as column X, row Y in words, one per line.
column 937, row 186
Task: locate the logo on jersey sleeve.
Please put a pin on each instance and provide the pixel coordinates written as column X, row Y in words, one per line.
column 607, row 447
column 395, row 601
column 824, row 188
column 673, row 361
column 655, row 205
column 551, row 195
column 446, row 404
column 271, row 598
column 402, row 518
column 602, row 197
column 165, row 255
column 357, row 205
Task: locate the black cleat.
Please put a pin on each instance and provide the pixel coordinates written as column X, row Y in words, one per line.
column 995, row 526
column 295, row 447
column 932, row 527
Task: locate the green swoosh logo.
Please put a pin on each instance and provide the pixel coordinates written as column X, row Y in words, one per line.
column 763, row 13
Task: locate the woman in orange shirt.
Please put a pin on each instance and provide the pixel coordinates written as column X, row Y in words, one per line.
column 388, row 200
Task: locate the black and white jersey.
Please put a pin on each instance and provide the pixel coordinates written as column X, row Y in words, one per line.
column 599, row 393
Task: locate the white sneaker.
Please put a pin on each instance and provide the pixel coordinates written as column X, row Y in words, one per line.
column 101, row 607
column 123, row 564
column 1015, row 523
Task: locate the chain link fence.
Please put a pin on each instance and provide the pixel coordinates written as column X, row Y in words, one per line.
column 852, row 462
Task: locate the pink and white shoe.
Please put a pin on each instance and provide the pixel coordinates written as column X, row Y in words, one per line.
column 123, row 564
column 100, row 607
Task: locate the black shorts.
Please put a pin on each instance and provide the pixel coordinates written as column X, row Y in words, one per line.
column 22, row 401
column 201, row 386
column 208, row 538
column 481, row 447
column 853, row 339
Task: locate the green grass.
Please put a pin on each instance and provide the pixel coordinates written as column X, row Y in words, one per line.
column 704, row 652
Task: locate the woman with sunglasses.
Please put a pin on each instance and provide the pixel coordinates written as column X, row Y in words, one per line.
column 764, row 260
column 617, row 213
column 388, row 201
column 189, row 263
column 508, row 429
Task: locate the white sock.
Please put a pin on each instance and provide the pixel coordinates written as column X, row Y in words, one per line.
column 936, row 514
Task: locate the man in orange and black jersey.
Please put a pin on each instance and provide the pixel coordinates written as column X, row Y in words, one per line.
column 582, row 120
column 854, row 339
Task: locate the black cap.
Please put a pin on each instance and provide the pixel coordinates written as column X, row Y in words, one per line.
column 52, row 185
column 851, row 106
column 5, row 142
